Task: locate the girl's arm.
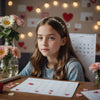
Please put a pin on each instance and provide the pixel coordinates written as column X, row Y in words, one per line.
column 27, row 70
column 75, row 72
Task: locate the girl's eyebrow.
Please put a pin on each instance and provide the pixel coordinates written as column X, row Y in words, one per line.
column 47, row 35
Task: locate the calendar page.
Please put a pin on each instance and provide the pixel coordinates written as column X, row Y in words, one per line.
column 84, row 46
column 47, row 87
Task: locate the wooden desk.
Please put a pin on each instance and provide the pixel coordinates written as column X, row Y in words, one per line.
column 31, row 96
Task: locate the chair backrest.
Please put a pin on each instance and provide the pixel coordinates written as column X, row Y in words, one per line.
column 84, row 46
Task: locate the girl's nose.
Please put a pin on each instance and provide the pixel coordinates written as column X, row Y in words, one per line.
column 44, row 42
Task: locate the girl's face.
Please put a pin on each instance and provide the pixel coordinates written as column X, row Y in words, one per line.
column 49, row 41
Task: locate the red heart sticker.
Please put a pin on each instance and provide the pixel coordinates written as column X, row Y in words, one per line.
column 95, row 92
column 31, row 83
column 66, row 94
column 21, row 44
column 67, row 17
column 29, row 8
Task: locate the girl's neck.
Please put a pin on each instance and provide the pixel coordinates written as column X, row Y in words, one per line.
column 51, row 62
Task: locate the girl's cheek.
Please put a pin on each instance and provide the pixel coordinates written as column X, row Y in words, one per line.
column 55, row 45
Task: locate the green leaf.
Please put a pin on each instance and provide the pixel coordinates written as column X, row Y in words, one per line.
column 1, row 34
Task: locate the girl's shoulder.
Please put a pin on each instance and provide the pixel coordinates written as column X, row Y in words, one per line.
column 71, row 60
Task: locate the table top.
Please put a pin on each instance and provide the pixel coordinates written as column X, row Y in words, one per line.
column 30, row 96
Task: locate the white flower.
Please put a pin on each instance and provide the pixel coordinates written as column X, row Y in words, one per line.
column 7, row 22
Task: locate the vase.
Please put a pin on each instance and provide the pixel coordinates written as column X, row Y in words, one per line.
column 97, row 80
column 9, row 65
column 9, row 68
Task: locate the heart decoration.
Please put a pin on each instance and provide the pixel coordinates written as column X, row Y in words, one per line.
column 29, row 8
column 25, row 47
column 67, row 17
column 21, row 44
column 76, row 29
column 99, row 35
column 93, row 1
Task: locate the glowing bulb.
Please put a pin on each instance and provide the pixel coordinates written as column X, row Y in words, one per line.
column 10, row 3
column 98, row 23
column 96, row 27
column 30, row 34
column 98, row 7
column 65, row 5
column 75, row 4
column 55, row 3
column 38, row 10
column 22, row 36
column 46, row 5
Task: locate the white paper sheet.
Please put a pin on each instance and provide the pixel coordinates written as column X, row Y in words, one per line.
column 92, row 95
column 47, row 87
column 32, row 22
column 84, row 46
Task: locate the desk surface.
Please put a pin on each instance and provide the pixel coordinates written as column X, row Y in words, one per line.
column 30, row 96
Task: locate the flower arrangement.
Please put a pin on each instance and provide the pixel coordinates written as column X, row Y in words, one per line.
column 6, row 54
column 96, row 69
column 8, row 27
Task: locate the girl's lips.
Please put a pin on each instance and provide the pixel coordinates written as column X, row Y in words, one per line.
column 45, row 49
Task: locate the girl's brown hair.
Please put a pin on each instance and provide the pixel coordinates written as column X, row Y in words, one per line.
column 65, row 52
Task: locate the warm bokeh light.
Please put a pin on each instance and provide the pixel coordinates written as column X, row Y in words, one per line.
column 22, row 35
column 75, row 4
column 96, row 27
column 30, row 34
column 38, row 10
column 55, row 3
column 46, row 5
column 10, row 3
column 98, row 22
column 65, row 5
column 98, row 7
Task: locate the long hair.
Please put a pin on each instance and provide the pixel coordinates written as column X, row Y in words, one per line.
column 65, row 52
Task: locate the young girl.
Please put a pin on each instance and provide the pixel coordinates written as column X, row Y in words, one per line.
column 53, row 56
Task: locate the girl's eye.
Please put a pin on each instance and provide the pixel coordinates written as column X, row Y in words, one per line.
column 40, row 38
column 52, row 38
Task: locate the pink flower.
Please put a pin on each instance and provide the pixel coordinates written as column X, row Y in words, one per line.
column 20, row 22
column 16, row 52
column 14, row 17
column 95, row 67
column 3, row 51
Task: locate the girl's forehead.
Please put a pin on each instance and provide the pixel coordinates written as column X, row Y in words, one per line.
column 46, row 30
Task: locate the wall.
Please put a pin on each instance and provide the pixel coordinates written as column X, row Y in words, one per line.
column 21, row 8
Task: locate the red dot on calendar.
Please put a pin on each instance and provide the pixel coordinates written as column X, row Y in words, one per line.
column 17, row 89
column 31, row 83
column 36, row 91
column 66, row 94
column 51, row 90
column 50, row 93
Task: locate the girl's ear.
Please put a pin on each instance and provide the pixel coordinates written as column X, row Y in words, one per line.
column 63, row 41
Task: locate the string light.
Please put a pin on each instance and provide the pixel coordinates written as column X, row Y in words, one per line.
column 30, row 34
column 98, row 7
column 46, row 5
column 75, row 4
column 55, row 3
column 65, row 5
column 98, row 23
column 22, row 36
column 10, row 3
column 38, row 10
column 96, row 27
